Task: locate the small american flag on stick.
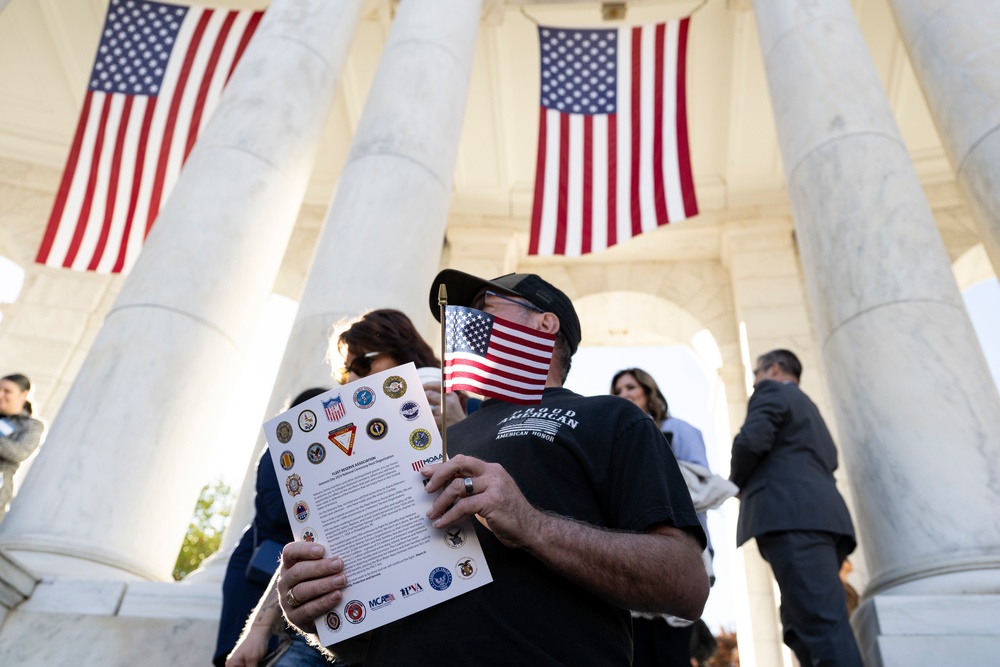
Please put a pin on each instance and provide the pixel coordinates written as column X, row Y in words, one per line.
column 494, row 357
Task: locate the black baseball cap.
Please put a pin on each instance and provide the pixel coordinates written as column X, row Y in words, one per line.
column 463, row 288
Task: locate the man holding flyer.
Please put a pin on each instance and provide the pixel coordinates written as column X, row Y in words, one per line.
column 583, row 512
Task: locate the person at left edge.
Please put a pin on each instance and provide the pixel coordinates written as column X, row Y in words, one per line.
column 20, row 433
column 581, row 520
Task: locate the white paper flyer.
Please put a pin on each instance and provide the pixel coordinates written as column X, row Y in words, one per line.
column 348, row 461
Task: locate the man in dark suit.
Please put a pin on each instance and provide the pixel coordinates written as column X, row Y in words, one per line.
column 783, row 462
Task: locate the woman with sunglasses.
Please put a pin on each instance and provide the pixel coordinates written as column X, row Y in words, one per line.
column 20, row 433
column 385, row 338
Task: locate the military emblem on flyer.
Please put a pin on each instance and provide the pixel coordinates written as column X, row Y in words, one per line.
column 343, row 438
column 287, row 460
column 420, row 439
column 377, row 429
column 283, row 432
column 334, row 409
column 364, row 397
column 440, row 578
column 466, row 568
column 454, row 537
column 307, row 420
column 308, row 535
column 394, row 386
column 333, row 621
column 355, row 611
column 316, row 453
column 294, row 485
column 301, row 511
column 409, row 411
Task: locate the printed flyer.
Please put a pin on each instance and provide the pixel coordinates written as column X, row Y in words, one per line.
column 348, row 461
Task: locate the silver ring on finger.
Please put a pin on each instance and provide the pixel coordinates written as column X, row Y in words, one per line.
column 470, row 490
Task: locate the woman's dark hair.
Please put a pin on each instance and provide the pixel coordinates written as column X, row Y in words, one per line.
column 388, row 331
column 24, row 383
column 655, row 402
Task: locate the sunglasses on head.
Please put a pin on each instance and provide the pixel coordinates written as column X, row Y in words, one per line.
column 361, row 366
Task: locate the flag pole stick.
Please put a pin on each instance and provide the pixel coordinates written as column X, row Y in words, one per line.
column 442, row 302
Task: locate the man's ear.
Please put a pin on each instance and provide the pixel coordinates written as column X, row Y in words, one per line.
column 550, row 323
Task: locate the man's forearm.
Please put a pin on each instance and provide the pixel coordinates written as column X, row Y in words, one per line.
column 660, row 571
column 266, row 616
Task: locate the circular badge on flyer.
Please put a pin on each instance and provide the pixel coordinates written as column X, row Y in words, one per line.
column 364, row 397
column 301, row 511
column 377, row 429
column 316, row 453
column 466, row 568
column 454, row 537
column 308, row 535
column 294, row 485
column 409, row 411
column 394, row 386
column 333, row 621
column 287, row 460
column 440, row 578
column 420, row 439
column 355, row 611
column 283, row 432
column 307, row 420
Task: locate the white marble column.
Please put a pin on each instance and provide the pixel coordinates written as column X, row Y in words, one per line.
column 955, row 53
column 381, row 244
column 111, row 493
column 918, row 414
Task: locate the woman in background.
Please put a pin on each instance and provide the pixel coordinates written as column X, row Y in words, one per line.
column 20, row 433
column 657, row 641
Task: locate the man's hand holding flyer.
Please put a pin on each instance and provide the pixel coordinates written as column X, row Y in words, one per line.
column 349, row 463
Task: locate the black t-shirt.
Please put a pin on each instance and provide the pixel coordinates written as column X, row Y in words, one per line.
column 598, row 460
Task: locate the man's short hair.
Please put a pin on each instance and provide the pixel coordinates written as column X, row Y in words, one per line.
column 786, row 360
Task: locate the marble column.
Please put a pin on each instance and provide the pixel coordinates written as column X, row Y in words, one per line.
column 381, row 244
column 918, row 414
column 955, row 54
column 111, row 493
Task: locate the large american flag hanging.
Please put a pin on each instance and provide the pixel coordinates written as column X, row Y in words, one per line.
column 494, row 357
column 612, row 140
column 159, row 72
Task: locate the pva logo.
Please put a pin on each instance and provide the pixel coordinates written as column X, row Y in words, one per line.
column 412, row 589
column 383, row 601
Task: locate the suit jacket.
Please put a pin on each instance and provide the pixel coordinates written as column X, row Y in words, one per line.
column 783, row 462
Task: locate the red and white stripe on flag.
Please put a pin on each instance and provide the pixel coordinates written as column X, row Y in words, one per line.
column 613, row 159
column 158, row 75
column 494, row 357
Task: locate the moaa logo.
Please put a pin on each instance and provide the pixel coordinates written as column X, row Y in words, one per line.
column 412, row 589
column 383, row 601
column 418, row 465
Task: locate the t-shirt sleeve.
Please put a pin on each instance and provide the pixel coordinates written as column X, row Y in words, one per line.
column 645, row 485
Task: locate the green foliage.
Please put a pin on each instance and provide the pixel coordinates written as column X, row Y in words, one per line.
column 204, row 535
